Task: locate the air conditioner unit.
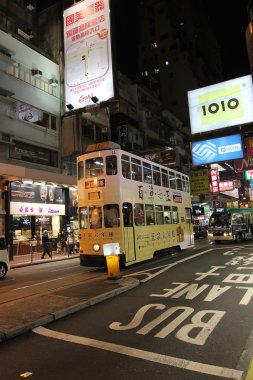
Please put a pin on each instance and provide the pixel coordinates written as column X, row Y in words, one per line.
column 53, row 82
column 37, row 73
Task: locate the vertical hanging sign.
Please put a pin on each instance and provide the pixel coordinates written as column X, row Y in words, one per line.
column 214, row 180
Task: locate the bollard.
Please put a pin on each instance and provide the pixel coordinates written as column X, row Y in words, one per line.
column 112, row 266
column 111, row 252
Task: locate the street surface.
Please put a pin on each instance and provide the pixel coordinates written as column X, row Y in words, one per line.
column 191, row 318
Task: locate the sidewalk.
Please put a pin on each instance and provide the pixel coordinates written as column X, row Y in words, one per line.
column 22, row 315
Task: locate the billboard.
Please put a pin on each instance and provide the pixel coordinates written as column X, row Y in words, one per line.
column 87, row 48
column 217, row 150
column 221, row 105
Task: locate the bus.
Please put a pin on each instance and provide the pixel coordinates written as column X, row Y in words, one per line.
column 123, row 198
column 231, row 224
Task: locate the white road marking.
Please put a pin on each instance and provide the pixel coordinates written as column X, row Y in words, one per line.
column 38, row 283
column 166, row 267
column 189, row 365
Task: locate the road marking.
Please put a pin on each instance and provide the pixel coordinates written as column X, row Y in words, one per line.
column 189, row 365
column 38, row 283
column 165, row 267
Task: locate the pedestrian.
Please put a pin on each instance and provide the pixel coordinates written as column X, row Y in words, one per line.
column 45, row 245
column 62, row 237
column 71, row 243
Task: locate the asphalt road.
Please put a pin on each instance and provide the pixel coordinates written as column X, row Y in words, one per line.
column 191, row 318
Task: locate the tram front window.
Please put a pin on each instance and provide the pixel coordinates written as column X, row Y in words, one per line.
column 94, row 167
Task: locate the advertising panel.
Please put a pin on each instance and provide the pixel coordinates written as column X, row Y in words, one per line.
column 242, row 164
column 88, row 58
column 221, row 105
column 249, row 146
column 200, row 184
column 214, row 180
column 30, row 199
column 248, row 175
column 217, row 150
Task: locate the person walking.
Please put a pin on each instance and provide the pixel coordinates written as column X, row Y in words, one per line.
column 62, row 241
column 71, row 243
column 46, row 245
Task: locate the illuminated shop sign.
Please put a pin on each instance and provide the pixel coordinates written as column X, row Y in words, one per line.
column 221, row 105
column 226, row 185
column 88, row 58
column 216, row 150
column 24, row 208
column 249, row 146
column 248, row 175
column 214, row 180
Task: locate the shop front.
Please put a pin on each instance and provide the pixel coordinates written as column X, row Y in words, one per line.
column 34, row 208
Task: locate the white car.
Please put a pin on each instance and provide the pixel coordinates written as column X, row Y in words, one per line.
column 4, row 258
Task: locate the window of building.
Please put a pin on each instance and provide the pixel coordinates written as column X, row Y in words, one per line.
column 26, row 112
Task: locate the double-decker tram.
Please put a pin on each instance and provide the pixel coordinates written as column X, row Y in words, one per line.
column 126, row 199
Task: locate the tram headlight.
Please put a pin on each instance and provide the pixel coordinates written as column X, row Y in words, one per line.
column 225, row 234
column 96, row 247
column 210, row 234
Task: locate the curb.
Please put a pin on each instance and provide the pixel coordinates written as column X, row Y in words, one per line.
column 69, row 310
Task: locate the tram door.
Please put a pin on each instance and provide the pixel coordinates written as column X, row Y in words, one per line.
column 189, row 238
column 128, row 233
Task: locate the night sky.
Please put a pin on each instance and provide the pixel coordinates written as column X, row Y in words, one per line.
column 229, row 21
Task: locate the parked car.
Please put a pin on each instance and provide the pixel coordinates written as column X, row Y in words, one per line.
column 4, row 258
column 199, row 232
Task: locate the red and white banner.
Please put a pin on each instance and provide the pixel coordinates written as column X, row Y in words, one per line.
column 214, row 180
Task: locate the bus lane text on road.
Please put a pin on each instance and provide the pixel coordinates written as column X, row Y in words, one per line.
column 190, row 325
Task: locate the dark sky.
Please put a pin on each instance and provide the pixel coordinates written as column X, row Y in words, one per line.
column 229, row 21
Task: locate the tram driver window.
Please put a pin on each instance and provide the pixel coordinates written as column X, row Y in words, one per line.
column 139, row 214
column 111, row 216
column 111, row 165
